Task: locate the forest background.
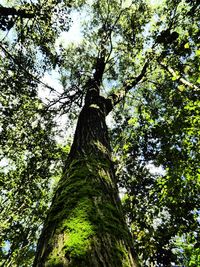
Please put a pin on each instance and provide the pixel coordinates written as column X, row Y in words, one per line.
column 151, row 56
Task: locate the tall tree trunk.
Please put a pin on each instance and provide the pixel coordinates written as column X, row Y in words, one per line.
column 85, row 225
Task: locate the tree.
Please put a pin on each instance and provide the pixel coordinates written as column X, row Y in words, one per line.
column 139, row 62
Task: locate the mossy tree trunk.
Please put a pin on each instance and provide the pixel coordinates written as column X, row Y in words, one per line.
column 85, row 225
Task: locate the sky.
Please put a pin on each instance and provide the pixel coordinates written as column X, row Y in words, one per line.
column 74, row 34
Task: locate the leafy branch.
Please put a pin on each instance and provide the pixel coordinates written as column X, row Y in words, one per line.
column 7, row 11
column 26, row 71
column 178, row 76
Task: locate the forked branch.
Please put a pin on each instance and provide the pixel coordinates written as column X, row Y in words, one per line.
column 128, row 85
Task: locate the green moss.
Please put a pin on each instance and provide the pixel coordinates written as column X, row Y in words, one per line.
column 103, row 149
column 83, row 179
column 88, row 181
column 54, row 261
column 83, row 211
column 110, row 221
column 79, row 229
column 57, row 256
column 122, row 254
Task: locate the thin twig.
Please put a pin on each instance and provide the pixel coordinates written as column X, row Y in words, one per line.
column 27, row 72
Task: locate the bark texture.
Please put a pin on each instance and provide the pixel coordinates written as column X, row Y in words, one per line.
column 85, row 225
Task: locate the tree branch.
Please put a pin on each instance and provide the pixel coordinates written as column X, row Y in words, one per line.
column 27, row 72
column 127, row 86
column 7, row 11
column 179, row 78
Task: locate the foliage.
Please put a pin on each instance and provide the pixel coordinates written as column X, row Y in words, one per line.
column 156, row 124
column 162, row 130
column 28, row 153
column 30, row 157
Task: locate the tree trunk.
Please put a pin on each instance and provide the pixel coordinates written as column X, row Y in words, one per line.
column 85, row 225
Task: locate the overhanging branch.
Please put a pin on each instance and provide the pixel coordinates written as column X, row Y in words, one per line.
column 127, row 86
column 179, row 78
column 27, row 72
column 11, row 11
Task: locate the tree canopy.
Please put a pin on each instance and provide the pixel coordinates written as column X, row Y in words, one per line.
column 147, row 55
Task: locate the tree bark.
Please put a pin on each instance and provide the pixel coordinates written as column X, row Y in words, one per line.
column 85, row 225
